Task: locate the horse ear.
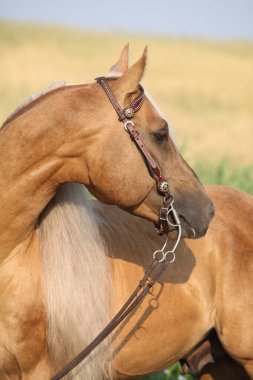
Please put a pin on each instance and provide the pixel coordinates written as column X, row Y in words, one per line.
column 128, row 82
column 122, row 65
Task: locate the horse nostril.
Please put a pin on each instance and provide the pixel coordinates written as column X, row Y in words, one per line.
column 211, row 211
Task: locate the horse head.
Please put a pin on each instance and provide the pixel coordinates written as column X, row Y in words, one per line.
column 117, row 172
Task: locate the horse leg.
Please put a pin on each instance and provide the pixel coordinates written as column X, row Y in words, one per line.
column 224, row 370
column 249, row 368
column 9, row 368
column 209, row 361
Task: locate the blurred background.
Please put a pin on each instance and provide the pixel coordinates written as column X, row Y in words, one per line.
column 200, row 69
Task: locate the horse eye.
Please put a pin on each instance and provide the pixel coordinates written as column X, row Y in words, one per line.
column 161, row 137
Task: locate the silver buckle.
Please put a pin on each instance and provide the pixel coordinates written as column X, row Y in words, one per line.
column 163, row 213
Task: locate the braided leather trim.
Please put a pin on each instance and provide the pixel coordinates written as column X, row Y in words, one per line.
column 135, row 105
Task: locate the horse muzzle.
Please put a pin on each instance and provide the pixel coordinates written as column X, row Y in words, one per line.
column 195, row 221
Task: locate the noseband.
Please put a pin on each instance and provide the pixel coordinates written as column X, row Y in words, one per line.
column 168, row 220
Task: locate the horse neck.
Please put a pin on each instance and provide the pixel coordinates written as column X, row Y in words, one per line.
column 76, row 278
column 45, row 135
column 40, row 148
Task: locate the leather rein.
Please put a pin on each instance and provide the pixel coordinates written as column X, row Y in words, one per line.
column 168, row 220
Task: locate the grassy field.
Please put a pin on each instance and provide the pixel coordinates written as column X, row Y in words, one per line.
column 204, row 88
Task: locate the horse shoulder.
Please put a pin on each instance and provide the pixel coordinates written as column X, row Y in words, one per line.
column 231, row 232
column 22, row 328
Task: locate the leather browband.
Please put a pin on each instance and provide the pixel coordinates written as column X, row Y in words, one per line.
column 128, row 112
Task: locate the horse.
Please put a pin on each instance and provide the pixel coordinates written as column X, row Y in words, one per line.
column 199, row 292
column 72, row 134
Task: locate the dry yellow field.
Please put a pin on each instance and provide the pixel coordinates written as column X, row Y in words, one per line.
column 204, row 88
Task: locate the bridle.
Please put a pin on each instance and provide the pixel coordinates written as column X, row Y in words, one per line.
column 168, row 220
column 153, row 167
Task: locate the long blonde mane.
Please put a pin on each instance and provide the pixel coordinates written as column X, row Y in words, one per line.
column 77, row 282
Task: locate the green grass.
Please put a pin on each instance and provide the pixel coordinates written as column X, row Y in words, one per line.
column 227, row 173
column 173, row 373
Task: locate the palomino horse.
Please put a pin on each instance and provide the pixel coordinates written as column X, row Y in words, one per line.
column 208, row 286
column 53, row 303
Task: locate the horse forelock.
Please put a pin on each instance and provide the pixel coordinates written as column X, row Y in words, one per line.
column 77, row 282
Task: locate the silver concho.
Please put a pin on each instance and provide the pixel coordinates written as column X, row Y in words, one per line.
column 164, row 186
column 128, row 112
